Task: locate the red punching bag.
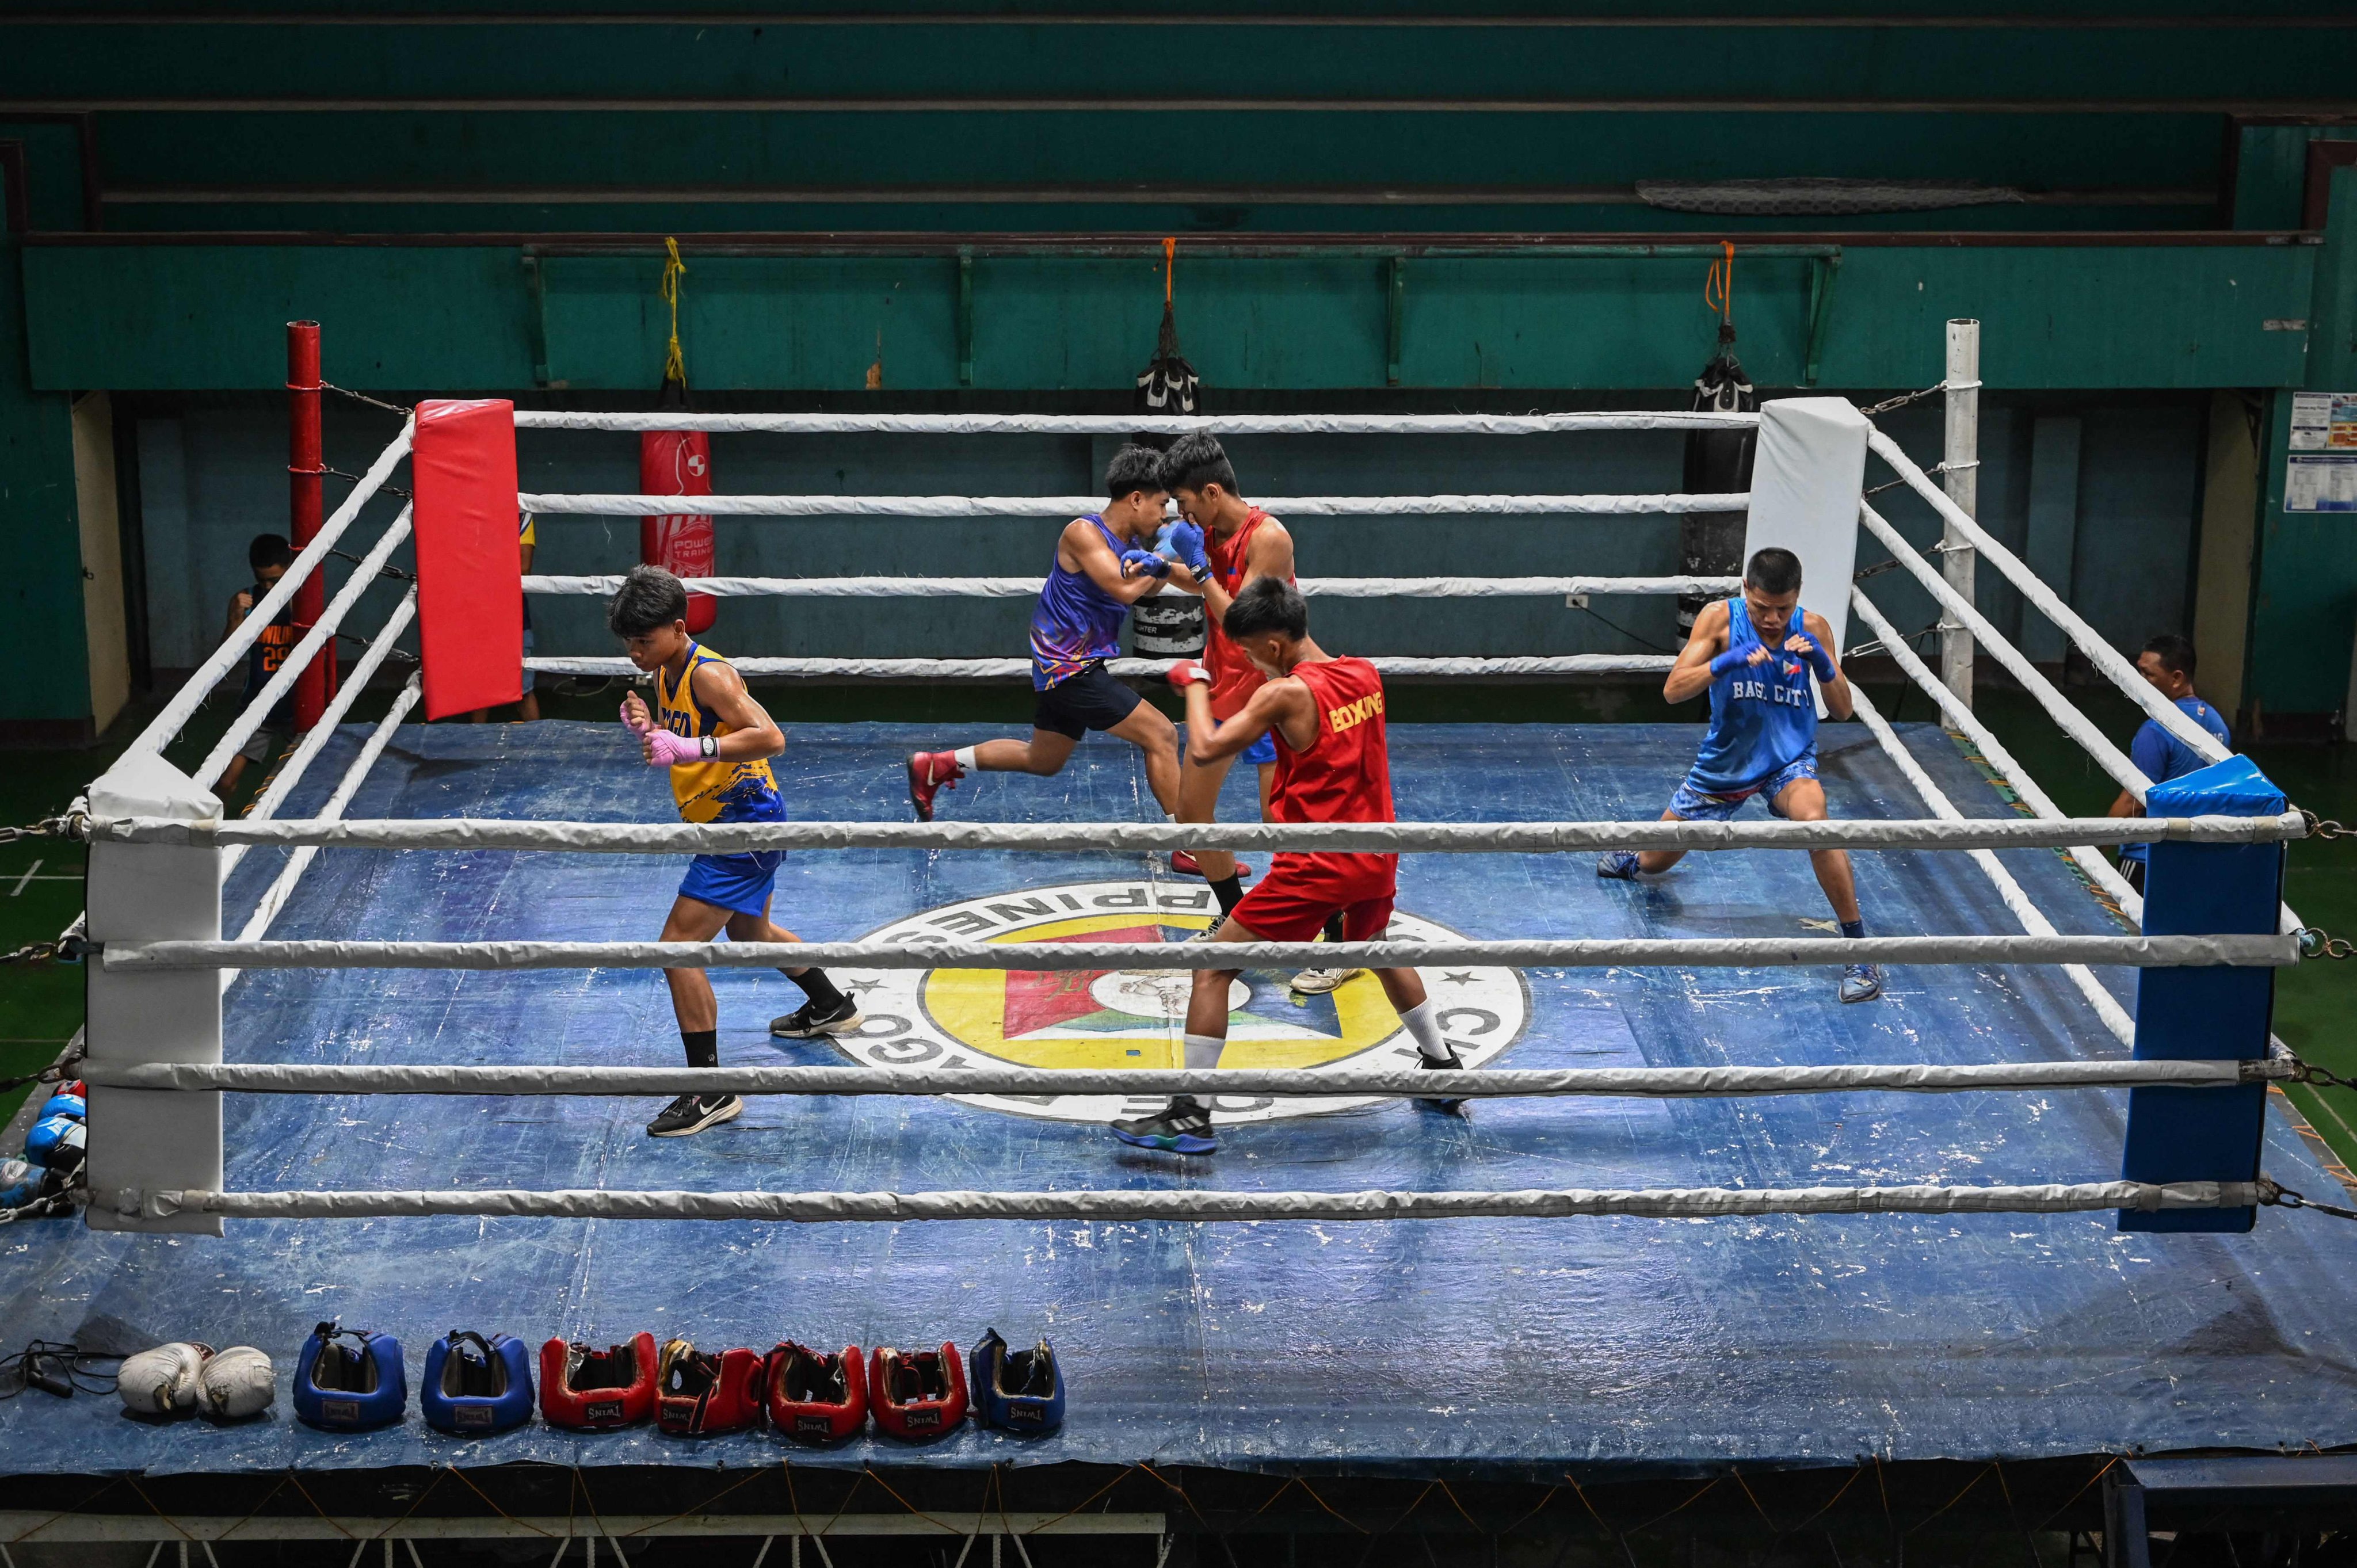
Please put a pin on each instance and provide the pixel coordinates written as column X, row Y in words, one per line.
column 679, row 462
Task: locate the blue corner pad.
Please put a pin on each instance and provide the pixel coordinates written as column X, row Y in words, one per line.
column 2235, row 788
column 2202, row 890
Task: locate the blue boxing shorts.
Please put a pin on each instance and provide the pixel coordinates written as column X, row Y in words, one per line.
column 739, row 882
column 1263, row 752
column 1694, row 805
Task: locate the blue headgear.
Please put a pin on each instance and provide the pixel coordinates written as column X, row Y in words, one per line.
column 474, row 1386
column 1020, row 1392
column 64, row 1104
column 350, row 1388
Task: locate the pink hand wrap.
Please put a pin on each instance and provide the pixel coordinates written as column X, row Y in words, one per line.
column 665, row 750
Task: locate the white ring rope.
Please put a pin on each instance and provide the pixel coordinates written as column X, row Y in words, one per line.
column 2110, row 757
column 281, row 887
column 1026, row 588
column 314, row 740
column 591, row 504
column 1766, row 952
column 2100, row 653
column 1452, row 838
column 1138, row 669
column 298, row 658
column 2033, row 920
column 166, row 725
column 1135, row 423
column 1964, row 720
column 2061, row 709
column 1648, row 1082
column 1189, row 1204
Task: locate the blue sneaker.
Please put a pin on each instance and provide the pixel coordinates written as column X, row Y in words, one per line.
column 1181, row 1127
column 1860, row 982
column 1621, row 865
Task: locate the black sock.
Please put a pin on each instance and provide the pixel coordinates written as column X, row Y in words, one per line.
column 1854, row 929
column 1230, row 890
column 702, row 1046
column 819, row 988
column 1334, row 927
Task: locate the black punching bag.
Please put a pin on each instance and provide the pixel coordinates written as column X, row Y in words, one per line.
column 1710, row 543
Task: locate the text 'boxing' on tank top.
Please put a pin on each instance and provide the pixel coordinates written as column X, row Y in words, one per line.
column 1345, row 776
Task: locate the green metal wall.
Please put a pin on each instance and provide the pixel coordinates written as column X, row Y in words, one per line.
column 450, row 318
column 1376, row 200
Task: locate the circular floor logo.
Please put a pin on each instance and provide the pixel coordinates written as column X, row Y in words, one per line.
column 951, row 1018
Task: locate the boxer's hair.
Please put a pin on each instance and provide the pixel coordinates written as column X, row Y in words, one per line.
column 648, row 598
column 1196, row 461
column 1773, row 571
column 1134, row 468
column 1267, row 605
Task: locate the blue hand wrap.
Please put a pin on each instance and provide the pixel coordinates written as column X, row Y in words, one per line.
column 1814, row 653
column 1145, row 560
column 1735, row 658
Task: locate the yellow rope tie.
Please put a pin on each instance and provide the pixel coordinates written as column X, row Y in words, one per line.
column 674, row 361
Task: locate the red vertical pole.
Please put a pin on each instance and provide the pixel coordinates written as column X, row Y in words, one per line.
column 306, row 466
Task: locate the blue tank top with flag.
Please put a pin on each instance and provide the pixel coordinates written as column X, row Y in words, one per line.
column 1076, row 622
column 1763, row 716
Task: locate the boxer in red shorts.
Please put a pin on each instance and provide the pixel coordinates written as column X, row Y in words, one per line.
column 1327, row 717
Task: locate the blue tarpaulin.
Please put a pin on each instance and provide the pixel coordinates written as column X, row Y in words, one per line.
column 1512, row 1347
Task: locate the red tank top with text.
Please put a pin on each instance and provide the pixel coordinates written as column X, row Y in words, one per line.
column 1233, row 679
column 1344, row 776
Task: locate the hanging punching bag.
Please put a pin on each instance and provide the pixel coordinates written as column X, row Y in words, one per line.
column 1167, row 624
column 1710, row 543
column 677, row 462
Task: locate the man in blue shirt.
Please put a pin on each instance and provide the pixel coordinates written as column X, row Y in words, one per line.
column 2168, row 662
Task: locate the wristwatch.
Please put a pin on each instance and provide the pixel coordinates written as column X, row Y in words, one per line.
column 711, row 746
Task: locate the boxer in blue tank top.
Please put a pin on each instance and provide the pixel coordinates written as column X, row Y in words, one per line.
column 1103, row 563
column 1756, row 654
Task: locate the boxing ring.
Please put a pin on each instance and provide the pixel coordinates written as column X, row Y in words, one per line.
column 1699, row 1212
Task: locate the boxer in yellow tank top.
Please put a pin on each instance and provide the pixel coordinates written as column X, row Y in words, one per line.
column 717, row 742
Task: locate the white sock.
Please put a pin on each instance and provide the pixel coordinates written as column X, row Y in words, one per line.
column 1424, row 1026
column 965, row 756
column 1203, row 1050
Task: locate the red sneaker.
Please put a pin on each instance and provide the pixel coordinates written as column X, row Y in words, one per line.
column 1183, row 865
column 929, row 772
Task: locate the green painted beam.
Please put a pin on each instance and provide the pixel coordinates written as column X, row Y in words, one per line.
column 227, row 157
column 1263, row 58
column 468, row 318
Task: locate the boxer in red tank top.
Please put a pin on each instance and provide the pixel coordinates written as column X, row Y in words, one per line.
column 1333, row 766
column 1240, row 544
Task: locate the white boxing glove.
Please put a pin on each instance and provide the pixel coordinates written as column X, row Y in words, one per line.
column 162, row 1381
column 237, row 1383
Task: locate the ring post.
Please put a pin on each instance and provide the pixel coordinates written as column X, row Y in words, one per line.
column 1960, row 460
column 142, row 1141
column 2215, row 1014
column 307, row 463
